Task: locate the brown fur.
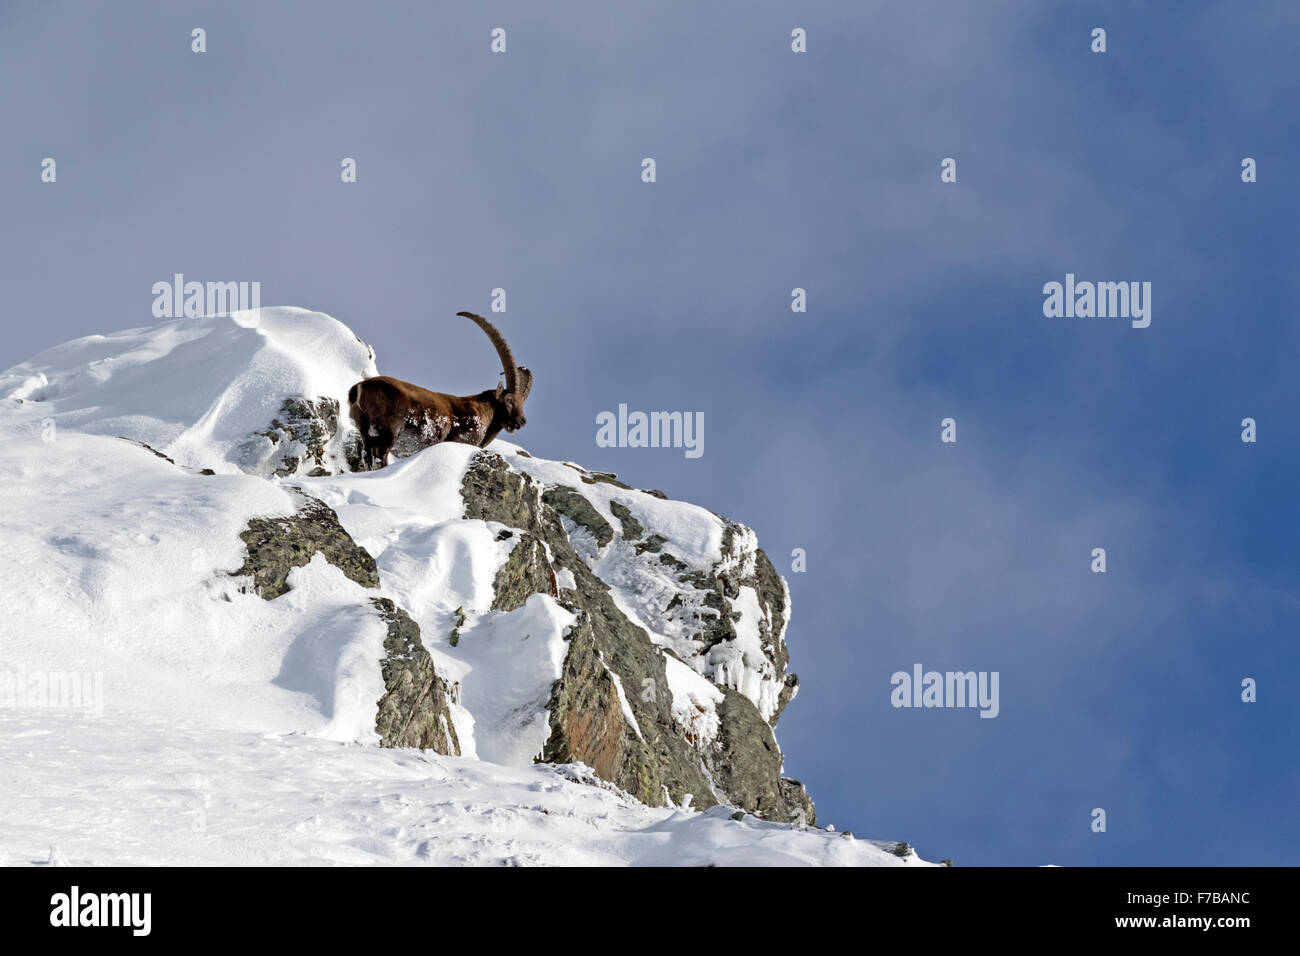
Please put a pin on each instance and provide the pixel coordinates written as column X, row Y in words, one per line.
column 389, row 412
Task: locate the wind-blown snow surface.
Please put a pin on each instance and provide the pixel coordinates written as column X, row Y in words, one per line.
column 203, row 389
column 212, row 726
column 126, row 791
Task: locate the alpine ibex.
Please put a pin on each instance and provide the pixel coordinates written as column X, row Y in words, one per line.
column 389, row 412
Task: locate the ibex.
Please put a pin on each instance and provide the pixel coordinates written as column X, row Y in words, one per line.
column 389, row 412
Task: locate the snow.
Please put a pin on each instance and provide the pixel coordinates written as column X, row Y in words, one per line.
column 146, row 791
column 227, row 729
column 438, row 566
column 695, row 702
column 642, row 586
column 198, row 389
column 510, row 662
column 694, row 533
column 121, row 569
column 741, row 664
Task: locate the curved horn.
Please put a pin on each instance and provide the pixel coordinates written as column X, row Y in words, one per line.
column 503, row 350
column 525, row 381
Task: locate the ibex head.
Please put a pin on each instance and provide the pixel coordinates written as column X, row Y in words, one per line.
column 512, row 403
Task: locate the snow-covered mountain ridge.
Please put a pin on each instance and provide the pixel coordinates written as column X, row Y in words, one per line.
column 181, row 518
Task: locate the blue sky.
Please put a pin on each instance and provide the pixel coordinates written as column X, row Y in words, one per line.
column 777, row 170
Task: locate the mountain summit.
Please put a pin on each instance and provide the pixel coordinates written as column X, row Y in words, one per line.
column 182, row 519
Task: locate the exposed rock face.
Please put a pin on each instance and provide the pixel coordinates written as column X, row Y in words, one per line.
column 746, row 764
column 278, row 545
column 527, row 571
column 579, row 510
column 415, row 710
column 743, row 565
column 610, row 663
column 305, row 438
column 673, row 673
column 615, row 707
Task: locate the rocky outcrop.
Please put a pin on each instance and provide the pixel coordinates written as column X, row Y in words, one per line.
column 579, row 510
column 611, row 668
column 526, row 572
column 673, row 700
column 746, row 764
column 305, row 438
column 709, row 616
column 278, row 545
column 614, row 706
column 415, row 710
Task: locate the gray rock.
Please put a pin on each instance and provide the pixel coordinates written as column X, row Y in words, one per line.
column 526, row 572
column 278, row 545
column 605, row 477
column 631, row 527
column 580, row 511
column 652, row 760
column 415, row 710
column 654, row 544
column 745, row 763
column 147, row 447
column 306, row 436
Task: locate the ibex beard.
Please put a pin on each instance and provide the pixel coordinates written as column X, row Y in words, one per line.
column 396, row 416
